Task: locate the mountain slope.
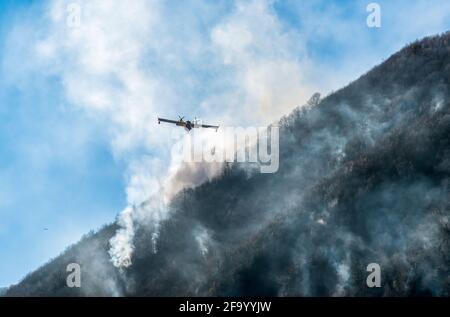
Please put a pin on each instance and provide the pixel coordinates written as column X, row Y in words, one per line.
column 363, row 178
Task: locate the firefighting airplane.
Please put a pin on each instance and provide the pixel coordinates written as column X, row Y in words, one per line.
column 188, row 125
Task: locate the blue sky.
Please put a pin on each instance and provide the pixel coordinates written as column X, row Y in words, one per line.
column 77, row 128
column 40, row 185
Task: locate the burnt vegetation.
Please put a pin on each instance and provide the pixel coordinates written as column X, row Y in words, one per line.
column 363, row 178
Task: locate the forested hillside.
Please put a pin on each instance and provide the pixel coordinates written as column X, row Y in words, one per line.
column 363, row 178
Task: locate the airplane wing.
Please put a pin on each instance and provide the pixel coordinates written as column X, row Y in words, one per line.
column 167, row 120
column 209, row 126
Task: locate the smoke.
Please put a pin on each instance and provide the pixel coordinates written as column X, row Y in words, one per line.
column 122, row 243
column 267, row 62
column 363, row 178
column 358, row 175
column 126, row 64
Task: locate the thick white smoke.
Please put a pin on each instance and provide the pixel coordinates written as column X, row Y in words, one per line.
column 122, row 243
column 125, row 63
